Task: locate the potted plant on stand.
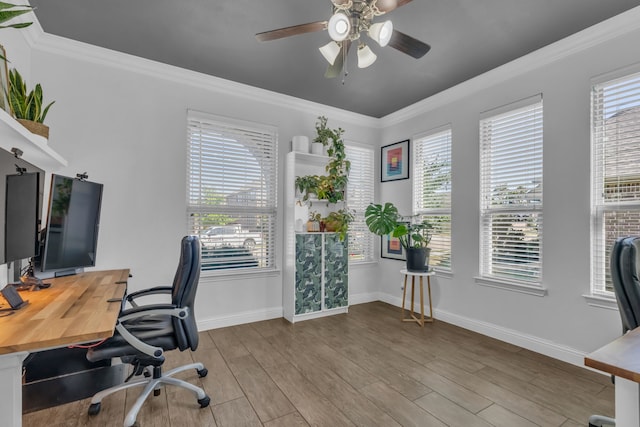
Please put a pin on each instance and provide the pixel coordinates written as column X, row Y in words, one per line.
column 414, row 236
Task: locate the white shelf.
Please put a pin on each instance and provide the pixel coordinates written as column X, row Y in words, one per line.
column 308, row 158
column 34, row 147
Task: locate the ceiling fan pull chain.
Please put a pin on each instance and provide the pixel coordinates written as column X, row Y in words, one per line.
column 344, row 61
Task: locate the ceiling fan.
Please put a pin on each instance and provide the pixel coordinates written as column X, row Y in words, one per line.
column 350, row 19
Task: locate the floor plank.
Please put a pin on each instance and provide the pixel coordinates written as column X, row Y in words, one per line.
column 363, row 368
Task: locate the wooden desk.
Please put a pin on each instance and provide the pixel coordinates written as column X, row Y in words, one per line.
column 622, row 359
column 73, row 310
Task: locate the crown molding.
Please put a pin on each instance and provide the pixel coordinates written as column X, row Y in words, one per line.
column 604, row 31
column 61, row 46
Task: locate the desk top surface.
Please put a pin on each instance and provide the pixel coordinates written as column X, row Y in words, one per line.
column 620, row 357
column 73, row 310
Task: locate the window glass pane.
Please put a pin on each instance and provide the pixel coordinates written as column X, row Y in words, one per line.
column 232, row 180
column 511, row 194
column 432, row 191
column 616, row 175
column 359, row 195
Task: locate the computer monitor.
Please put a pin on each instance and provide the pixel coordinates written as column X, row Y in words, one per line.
column 73, row 222
column 23, row 205
column 22, row 216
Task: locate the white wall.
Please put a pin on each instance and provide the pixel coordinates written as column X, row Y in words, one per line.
column 561, row 322
column 122, row 120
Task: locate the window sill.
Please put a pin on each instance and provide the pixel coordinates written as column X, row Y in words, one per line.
column 601, row 301
column 506, row 285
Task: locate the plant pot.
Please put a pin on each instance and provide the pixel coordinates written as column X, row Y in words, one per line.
column 35, row 127
column 317, row 148
column 418, row 259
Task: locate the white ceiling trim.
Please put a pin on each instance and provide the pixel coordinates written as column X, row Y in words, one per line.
column 610, row 29
column 602, row 32
column 61, row 46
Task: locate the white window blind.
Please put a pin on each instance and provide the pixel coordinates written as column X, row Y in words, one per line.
column 432, row 191
column 615, row 134
column 511, row 193
column 360, row 193
column 232, row 183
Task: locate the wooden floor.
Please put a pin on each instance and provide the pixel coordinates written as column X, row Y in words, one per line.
column 364, row 368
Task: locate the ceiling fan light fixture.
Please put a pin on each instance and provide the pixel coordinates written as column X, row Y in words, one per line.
column 339, row 26
column 330, row 51
column 381, row 32
column 366, row 56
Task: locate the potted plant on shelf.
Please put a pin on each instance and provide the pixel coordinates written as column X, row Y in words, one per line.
column 338, row 221
column 27, row 106
column 413, row 236
column 330, row 187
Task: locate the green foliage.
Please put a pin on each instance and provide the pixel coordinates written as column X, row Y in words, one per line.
column 339, row 221
column 332, row 186
column 382, row 220
column 26, row 105
column 212, row 198
column 9, row 11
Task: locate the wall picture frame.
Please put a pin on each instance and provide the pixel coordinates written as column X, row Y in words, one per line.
column 391, row 248
column 4, row 82
column 394, row 161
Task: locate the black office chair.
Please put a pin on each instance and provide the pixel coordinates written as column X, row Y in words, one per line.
column 145, row 332
column 624, row 263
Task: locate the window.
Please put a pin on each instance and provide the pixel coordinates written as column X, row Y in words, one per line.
column 359, row 195
column 615, row 135
column 232, row 180
column 511, row 193
column 432, row 191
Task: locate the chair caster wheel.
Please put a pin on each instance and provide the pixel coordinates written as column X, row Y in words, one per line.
column 204, row 402
column 94, row 409
column 202, row 372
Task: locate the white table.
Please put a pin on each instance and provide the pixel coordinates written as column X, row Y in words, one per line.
column 412, row 317
column 621, row 358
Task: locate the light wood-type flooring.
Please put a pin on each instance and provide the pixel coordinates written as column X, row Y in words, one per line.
column 364, row 368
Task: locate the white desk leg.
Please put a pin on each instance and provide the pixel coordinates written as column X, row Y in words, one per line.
column 11, row 388
column 627, row 403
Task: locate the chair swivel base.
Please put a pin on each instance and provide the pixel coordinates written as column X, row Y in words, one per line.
column 601, row 421
column 152, row 384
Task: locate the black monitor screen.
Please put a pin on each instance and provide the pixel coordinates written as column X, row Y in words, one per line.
column 72, row 225
column 21, row 216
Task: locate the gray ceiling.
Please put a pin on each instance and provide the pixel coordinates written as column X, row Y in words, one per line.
column 216, row 37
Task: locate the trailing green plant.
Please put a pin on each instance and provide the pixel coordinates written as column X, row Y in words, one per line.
column 9, row 11
column 330, row 187
column 385, row 219
column 26, row 105
column 339, row 221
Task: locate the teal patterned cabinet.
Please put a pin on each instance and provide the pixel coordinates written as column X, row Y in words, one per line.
column 336, row 272
column 315, row 265
column 308, row 273
column 321, row 275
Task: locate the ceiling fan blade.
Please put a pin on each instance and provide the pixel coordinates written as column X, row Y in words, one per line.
column 409, row 45
column 334, row 70
column 291, row 31
column 385, row 6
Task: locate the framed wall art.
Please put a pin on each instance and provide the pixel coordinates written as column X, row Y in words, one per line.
column 391, row 247
column 395, row 161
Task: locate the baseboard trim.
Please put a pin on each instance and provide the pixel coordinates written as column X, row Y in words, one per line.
column 363, row 298
column 530, row 342
column 240, row 318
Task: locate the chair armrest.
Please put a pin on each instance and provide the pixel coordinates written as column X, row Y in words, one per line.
column 145, row 292
column 153, row 310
